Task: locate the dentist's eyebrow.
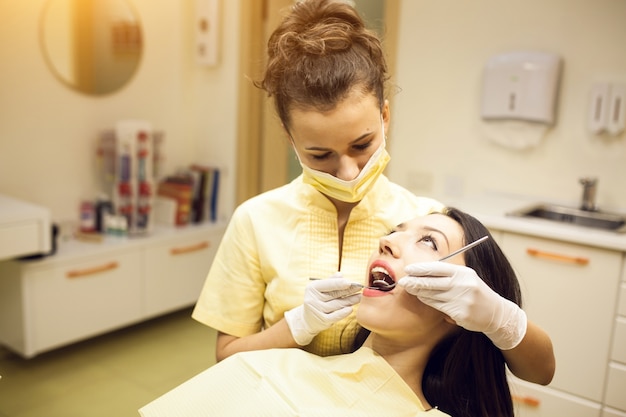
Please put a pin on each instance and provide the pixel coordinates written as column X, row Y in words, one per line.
column 353, row 142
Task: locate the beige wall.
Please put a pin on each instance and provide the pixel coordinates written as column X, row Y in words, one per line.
column 438, row 145
column 48, row 132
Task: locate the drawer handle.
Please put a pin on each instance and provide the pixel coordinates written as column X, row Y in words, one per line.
column 557, row 257
column 526, row 400
column 90, row 271
column 192, row 248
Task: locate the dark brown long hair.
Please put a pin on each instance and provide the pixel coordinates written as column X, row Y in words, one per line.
column 466, row 373
column 318, row 54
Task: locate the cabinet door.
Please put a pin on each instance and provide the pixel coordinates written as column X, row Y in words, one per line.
column 610, row 412
column 616, row 386
column 532, row 400
column 569, row 290
column 176, row 270
column 69, row 302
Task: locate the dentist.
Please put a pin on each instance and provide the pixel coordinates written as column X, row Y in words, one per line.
column 326, row 74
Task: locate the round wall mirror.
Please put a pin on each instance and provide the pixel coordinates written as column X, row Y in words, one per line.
column 93, row 46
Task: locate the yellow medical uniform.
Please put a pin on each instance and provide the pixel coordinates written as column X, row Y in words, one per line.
column 279, row 239
column 291, row 382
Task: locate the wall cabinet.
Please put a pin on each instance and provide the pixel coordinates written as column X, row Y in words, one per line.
column 570, row 291
column 89, row 288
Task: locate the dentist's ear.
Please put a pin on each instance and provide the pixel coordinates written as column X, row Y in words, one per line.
column 386, row 113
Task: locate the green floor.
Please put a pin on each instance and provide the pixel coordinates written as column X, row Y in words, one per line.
column 108, row 376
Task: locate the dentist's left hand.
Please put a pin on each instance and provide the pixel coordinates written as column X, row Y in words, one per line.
column 320, row 309
column 460, row 293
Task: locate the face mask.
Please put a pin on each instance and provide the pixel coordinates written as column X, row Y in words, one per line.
column 353, row 190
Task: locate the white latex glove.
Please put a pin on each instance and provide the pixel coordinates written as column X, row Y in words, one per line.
column 326, row 301
column 459, row 292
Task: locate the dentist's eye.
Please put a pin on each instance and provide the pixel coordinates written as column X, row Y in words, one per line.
column 363, row 146
column 321, row 157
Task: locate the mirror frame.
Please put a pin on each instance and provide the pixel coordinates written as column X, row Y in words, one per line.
column 74, row 61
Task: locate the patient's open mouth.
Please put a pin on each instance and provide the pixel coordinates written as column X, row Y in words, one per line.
column 380, row 279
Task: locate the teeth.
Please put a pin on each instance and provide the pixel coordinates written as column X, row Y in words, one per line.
column 381, row 278
column 380, row 270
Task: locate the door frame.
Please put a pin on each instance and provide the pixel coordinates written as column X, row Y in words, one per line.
column 262, row 147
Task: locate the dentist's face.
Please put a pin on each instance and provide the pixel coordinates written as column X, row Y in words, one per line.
column 340, row 141
column 396, row 312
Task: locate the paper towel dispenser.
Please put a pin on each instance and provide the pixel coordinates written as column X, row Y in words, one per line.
column 521, row 86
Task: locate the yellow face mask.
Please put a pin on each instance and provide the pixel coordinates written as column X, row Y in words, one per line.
column 353, row 190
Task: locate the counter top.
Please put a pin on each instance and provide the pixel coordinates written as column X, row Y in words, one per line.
column 491, row 209
column 101, row 245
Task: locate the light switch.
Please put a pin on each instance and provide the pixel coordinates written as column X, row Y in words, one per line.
column 207, row 32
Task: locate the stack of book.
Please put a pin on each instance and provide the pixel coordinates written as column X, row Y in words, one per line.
column 190, row 196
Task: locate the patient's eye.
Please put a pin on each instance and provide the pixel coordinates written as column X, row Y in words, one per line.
column 428, row 240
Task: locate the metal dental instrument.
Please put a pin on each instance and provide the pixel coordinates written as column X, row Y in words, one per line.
column 464, row 248
column 389, row 287
column 384, row 285
column 353, row 289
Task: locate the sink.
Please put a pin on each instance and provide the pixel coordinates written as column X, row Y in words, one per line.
column 595, row 219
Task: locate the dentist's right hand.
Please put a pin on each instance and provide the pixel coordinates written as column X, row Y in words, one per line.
column 320, row 309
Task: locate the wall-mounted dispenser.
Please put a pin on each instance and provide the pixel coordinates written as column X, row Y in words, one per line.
column 521, row 86
column 607, row 110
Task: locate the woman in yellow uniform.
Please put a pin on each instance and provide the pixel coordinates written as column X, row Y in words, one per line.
column 326, row 74
column 415, row 360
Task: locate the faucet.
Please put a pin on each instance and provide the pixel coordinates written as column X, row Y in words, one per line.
column 589, row 193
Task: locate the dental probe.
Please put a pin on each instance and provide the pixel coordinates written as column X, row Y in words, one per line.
column 464, row 248
column 355, row 288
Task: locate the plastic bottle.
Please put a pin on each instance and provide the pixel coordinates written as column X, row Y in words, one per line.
column 87, row 217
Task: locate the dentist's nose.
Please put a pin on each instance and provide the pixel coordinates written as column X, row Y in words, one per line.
column 348, row 168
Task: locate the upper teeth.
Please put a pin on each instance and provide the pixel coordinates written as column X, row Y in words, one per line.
column 376, row 273
column 380, row 269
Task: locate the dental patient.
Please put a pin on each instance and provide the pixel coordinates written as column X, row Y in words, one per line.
column 410, row 358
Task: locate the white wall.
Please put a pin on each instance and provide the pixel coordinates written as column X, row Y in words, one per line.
column 48, row 132
column 437, row 143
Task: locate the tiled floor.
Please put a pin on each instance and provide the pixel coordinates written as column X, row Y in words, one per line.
column 108, row 376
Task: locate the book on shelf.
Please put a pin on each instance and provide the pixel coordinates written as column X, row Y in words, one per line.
column 206, row 193
column 180, row 189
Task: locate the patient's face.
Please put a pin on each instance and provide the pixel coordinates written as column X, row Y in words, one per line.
column 422, row 239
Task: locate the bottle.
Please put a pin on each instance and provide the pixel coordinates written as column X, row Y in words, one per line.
column 143, row 205
column 103, row 207
column 87, row 217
